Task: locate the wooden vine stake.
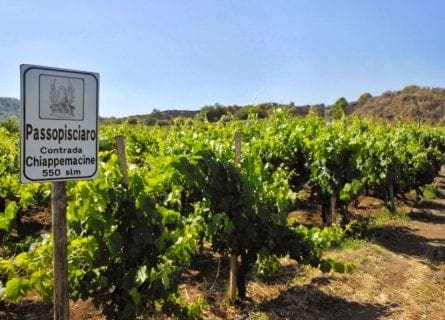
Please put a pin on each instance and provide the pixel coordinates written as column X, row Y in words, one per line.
column 327, row 117
column 392, row 202
column 121, row 155
column 234, row 254
column 61, row 286
column 332, row 208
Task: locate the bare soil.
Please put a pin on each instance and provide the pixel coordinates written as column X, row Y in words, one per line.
column 400, row 275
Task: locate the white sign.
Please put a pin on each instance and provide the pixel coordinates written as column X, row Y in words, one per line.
column 59, row 131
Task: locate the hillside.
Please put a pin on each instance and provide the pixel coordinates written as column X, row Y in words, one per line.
column 9, row 107
column 413, row 103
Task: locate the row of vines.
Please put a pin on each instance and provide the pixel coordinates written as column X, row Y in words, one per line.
column 130, row 243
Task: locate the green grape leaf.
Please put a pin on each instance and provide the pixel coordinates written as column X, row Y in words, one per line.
column 2, row 290
column 135, row 296
column 11, row 210
column 339, row 267
column 13, row 289
column 141, row 275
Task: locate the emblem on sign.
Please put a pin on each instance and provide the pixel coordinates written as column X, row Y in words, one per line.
column 61, row 98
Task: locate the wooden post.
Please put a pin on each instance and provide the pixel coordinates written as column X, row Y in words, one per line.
column 392, row 202
column 327, row 117
column 232, row 277
column 332, row 208
column 60, row 257
column 120, row 146
column 234, row 254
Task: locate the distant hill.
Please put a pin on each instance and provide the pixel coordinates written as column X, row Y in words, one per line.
column 156, row 117
column 9, row 107
column 412, row 103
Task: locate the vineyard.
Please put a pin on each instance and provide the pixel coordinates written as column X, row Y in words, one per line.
column 187, row 195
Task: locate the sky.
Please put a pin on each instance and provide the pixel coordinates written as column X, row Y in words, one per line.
column 188, row 54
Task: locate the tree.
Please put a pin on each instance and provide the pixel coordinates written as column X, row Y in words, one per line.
column 213, row 113
column 338, row 109
column 364, row 97
column 11, row 124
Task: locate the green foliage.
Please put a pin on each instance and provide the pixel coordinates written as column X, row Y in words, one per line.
column 364, row 97
column 213, row 113
column 338, row 109
column 11, row 124
column 29, row 271
column 384, row 215
column 182, row 309
column 15, row 288
column 144, row 243
column 351, row 190
column 316, row 241
column 429, row 192
column 267, row 265
column 7, row 218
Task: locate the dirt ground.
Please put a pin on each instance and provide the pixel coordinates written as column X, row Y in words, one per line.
column 400, row 275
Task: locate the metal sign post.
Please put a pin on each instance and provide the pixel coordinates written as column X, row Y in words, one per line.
column 59, row 142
